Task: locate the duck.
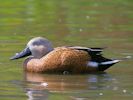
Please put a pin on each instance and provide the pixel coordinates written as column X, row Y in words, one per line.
column 42, row 57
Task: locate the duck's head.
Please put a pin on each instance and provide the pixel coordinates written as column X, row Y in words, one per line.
column 37, row 47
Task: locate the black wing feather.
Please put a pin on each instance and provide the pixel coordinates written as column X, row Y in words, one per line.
column 90, row 50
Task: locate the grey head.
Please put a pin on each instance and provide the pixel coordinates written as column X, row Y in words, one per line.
column 37, row 47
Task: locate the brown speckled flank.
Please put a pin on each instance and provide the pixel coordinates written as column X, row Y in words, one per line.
column 59, row 60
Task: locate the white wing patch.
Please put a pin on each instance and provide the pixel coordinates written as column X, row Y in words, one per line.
column 96, row 64
column 110, row 62
column 92, row 64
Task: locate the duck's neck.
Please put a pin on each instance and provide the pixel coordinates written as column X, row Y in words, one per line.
column 39, row 54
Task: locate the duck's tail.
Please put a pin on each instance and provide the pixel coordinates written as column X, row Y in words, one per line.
column 105, row 65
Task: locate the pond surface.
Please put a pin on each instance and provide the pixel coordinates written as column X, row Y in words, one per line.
column 91, row 23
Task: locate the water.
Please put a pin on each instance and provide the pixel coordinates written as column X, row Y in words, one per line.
column 93, row 23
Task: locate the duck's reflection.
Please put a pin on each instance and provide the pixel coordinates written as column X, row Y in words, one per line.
column 37, row 94
column 39, row 85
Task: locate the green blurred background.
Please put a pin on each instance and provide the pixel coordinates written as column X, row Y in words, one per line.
column 91, row 23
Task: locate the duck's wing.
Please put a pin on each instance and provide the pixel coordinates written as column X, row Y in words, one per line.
column 95, row 53
column 97, row 60
column 89, row 50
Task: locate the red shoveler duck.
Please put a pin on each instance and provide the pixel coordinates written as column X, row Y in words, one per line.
column 73, row 59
